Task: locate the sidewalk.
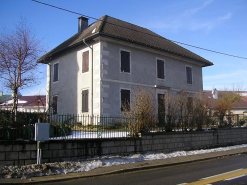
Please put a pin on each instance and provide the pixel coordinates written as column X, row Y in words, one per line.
column 127, row 167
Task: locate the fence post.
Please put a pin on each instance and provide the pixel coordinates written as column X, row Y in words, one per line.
column 39, row 156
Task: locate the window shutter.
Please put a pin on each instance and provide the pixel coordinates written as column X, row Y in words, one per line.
column 85, row 101
column 189, row 75
column 54, row 105
column 55, row 73
column 160, row 69
column 125, row 61
column 125, row 99
column 85, row 61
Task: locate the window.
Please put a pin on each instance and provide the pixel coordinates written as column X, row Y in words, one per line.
column 125, row 100
column 189, row 75
column 54, row 105
column 161, row 103
column 55, row 73
column 190, row 104
column 85, row 61
column 160, row 69
column 125, row 61
column 85, row 101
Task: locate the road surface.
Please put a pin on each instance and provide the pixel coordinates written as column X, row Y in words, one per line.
column 226, row 171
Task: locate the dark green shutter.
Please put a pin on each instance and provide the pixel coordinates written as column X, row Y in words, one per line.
column 125, row 61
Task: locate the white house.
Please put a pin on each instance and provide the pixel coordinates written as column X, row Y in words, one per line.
column 26, row 104
column 94, row 71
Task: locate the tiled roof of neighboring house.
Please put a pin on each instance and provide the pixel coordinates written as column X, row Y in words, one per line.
column 114, row 28
column 245, row 98
column 242, row 103
column 39, row 100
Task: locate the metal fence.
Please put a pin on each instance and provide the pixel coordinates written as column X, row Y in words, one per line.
column 21, row 126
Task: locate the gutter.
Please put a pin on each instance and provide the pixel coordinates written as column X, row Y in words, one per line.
column 84, row 40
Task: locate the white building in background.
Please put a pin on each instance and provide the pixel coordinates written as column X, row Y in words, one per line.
column 95, row 71
column 27, row 104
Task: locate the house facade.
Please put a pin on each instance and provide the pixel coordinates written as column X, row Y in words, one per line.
column 96, row 70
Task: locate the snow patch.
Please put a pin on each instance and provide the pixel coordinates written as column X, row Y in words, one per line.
column 66, row 167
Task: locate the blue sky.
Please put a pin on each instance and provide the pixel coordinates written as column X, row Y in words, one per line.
column 218, row 25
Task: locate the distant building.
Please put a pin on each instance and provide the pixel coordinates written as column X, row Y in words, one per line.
column 26, row 104
column 239, row 107
column 4, row 98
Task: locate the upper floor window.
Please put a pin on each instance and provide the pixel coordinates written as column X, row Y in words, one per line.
column 85, row 101
column 125, row 100
column 55, row 72
column 125, row 61
column 160, row 69
column 85, row 61
column 189, row 75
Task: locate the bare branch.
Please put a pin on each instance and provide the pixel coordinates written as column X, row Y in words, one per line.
column 19, row 51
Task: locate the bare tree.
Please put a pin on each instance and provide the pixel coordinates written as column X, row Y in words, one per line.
column 225, row 103
column 140, row 113
column 19, row 51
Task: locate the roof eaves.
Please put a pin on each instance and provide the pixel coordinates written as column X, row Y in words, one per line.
column 153, row 47
column 49, row 56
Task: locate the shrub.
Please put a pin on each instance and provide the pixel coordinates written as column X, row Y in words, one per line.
column 141, row 116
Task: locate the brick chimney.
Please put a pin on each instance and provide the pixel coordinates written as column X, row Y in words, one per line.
column 82, row 24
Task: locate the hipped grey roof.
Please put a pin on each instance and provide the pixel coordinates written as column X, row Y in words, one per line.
column 117, row 29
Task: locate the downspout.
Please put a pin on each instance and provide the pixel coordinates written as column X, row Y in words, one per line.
column 49, row 90
column 91, row 79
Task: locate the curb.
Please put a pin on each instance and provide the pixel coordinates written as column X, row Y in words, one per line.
column 139, row 166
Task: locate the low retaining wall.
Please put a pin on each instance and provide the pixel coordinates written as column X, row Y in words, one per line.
column 23, row 153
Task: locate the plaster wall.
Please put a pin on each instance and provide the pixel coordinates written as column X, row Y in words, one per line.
column 143, row 73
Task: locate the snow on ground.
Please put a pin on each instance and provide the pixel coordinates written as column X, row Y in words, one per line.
column 33, row 170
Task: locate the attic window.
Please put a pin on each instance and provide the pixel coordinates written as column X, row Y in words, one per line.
column 94, row 30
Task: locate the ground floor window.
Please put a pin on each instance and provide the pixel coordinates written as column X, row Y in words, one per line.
column 125, row 100
column 54, row 105
column 85, row 101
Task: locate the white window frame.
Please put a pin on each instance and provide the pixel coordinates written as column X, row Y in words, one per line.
column 121, row 61
column 164, row 69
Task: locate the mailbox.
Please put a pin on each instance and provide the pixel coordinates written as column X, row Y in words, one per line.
column 42, row 131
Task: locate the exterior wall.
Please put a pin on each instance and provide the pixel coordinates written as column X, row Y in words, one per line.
column 72, row 81
column 143, row 73
column 108, row 80
column 239, row 111
column 23, row 153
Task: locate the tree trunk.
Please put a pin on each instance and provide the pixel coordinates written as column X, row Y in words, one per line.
column 15, row 102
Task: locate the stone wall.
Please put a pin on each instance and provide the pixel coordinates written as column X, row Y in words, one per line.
column 21, row 152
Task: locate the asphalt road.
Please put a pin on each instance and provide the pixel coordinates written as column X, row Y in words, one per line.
column 188, row 173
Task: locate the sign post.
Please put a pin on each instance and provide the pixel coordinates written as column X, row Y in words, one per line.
column 42, row 131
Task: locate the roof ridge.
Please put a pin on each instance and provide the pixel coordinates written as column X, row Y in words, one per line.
column 123, row 30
